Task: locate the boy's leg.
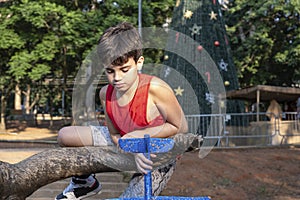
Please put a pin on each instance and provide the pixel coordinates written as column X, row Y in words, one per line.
column 75, row 136
column 160, row 178
column 80, row 187
column 84, row 186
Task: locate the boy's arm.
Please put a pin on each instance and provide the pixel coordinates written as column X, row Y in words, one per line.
column 166, row 102
column 115, row 135
column 143, row 164
column 168, row 105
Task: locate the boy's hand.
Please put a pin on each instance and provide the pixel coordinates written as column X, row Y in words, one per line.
column 143, row 164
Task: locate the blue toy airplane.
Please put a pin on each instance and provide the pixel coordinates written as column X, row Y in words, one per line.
column 149, row 145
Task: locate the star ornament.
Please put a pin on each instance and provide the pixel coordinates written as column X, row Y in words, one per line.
column 178, row 91
column 213, row 15
column 188, row 14
column 195, row 29
column 223, row 65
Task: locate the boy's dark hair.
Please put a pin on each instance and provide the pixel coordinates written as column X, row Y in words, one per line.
column 119, row 43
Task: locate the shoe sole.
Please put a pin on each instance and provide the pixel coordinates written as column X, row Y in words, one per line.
column 94, row 192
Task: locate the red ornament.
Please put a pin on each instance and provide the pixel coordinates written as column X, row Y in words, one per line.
column 208, row 76
column 177, row 37
column 199, row 48
column 217, row 43
column 226, row 40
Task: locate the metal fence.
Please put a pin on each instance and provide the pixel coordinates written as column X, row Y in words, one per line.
column 246, row 129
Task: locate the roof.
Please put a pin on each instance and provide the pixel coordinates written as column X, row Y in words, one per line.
column 266, row 93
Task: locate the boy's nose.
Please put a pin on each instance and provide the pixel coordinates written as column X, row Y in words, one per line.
column 118, row 76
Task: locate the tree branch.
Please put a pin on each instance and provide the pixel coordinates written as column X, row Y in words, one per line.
column 20, row 180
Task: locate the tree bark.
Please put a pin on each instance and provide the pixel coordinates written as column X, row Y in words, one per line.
column 5, row 92
column 27, row 97
column 18, row 97
column 2, row 112
column 20, row 180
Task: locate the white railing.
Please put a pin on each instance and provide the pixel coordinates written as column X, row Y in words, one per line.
column 246, row 129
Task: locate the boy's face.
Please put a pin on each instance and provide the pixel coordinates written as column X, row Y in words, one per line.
column 124, row 76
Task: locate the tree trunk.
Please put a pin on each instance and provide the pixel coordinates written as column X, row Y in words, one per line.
column 18, row 99
column 5, row 92
column 27, row 97
column 2, row 114
column 20, row 180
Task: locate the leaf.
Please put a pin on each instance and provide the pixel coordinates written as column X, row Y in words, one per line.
column 39, row 71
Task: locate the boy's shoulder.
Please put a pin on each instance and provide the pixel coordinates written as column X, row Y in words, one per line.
column 158, row 84
column 102, row 92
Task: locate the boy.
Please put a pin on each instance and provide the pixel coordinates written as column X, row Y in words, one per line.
column 135, row 104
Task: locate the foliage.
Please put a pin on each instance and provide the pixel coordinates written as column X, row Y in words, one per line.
column 265, row 38
column 43, row 43
column 46, row 41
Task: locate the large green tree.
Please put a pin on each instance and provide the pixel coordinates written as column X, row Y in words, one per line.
column 44, row 42
column 265, row 38
column 38, row 39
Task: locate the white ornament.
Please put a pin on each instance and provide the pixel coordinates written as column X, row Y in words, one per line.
column 167, row 72
column 195, row 29
column 210, row 97
column 224, row 4
column 223, row 65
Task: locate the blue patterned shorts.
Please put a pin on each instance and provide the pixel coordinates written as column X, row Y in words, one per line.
column 101, row 136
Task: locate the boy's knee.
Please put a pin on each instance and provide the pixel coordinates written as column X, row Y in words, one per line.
column 62, row 137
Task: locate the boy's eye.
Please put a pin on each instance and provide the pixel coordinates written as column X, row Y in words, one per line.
column 109, row 71
column 125, row 70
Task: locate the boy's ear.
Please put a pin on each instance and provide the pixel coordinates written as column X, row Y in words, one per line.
column 140, row 63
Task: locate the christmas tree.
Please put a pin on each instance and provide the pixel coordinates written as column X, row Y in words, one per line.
column 202, row 21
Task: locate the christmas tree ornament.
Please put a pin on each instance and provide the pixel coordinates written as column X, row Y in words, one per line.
column 200, row 48
column 210, row 97
column 195, row 30
column 188, row 14
column 167, row 72
column 166, row 57
column 217, row 43
column 226, row 40
column 177, row 37
column 208, row 76
column 226, row 83
column 213, row 15
column 178, row 91
column 224, row 4
column 223, row 65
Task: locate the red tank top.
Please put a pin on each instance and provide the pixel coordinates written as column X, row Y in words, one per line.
column 132, row 116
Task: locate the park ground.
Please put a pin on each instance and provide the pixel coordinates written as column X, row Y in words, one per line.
column 224, row 174
column 239, row 174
